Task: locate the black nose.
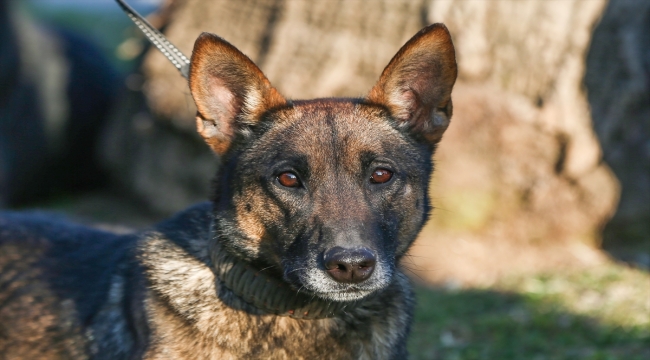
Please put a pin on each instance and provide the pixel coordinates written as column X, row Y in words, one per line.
column 349, row 265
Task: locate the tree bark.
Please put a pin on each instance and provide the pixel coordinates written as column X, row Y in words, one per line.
column 519, row 183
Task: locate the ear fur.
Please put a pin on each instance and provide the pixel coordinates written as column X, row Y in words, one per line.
column 416, row 85
column 229, row 90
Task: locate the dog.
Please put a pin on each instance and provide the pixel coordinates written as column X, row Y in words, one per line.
column 297, row 254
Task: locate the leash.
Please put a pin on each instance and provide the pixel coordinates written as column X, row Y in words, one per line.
column 171, row 52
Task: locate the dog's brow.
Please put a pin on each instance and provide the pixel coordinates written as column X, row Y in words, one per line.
column 299, row 162
column 366, row 158
column 171, row 52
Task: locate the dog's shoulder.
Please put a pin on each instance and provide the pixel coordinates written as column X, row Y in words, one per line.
column 183, row 237
column 174, row 253
column 186, row 225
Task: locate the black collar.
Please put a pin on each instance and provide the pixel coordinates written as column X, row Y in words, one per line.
column 269, row 294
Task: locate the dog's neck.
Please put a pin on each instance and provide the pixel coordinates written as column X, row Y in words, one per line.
column 267, row 293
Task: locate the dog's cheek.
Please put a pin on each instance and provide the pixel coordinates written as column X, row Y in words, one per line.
column 252, row 216
column 296, row 260
column 251, row 226
column 412, row 214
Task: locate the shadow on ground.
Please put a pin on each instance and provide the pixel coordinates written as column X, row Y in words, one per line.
column 486, row 324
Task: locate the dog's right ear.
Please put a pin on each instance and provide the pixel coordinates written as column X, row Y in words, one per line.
column 230, row 91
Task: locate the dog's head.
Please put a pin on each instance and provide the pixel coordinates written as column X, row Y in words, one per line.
column 326, row 193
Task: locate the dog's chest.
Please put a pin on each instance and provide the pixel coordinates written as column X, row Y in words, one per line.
column 191, row 317
column 188, row 320
column 234, row 334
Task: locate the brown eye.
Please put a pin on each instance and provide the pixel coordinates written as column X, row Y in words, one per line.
column 288, row 179
column 380, row 176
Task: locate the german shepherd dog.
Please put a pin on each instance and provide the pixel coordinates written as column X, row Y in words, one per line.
column 296, row 256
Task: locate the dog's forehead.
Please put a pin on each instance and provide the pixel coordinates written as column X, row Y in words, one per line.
column 335, row 125
column 330, row 136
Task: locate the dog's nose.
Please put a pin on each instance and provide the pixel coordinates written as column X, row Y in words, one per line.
column 349, row 265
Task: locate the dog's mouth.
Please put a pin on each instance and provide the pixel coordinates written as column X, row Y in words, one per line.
column 318, row 282
column 352, row 293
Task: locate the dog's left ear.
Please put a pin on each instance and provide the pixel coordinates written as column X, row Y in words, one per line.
column 416, row 85
column 230, row 91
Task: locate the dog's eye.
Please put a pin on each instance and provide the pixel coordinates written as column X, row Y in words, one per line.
column 289, row 179
column 380, row 176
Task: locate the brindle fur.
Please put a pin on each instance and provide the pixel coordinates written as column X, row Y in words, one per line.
column 72, row 292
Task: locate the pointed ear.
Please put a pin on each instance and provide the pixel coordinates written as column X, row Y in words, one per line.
column 230, row 91
column 416, row 85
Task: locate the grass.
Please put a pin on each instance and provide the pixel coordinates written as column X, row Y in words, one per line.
column 601, row 313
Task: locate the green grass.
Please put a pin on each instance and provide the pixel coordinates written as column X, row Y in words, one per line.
column 599, row 313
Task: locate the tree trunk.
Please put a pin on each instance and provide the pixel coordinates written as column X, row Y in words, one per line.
column 519, row 182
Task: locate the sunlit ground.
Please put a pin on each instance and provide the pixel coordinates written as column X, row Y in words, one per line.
column 600, row 313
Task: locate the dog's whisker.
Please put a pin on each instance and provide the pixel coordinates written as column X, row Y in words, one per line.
column 415, row 274
column 289, row 272
column 268, row 267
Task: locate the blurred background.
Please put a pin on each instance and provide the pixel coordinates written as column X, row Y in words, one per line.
column 539, row 243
